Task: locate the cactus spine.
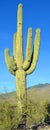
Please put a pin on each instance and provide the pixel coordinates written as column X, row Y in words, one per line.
column 16, row 64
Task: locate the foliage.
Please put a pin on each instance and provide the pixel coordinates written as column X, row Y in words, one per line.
column 36, row 112
column 9, row 117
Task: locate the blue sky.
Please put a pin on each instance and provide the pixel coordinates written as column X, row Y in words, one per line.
column 36, row 14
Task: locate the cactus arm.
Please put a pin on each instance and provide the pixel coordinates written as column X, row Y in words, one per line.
column 28, row 50
column 35, row 53
column 10, row 62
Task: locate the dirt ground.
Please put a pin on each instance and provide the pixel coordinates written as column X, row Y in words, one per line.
column 47, row 127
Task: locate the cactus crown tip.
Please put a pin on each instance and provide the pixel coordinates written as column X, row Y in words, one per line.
column 30, row 31
column 20, row 5
column 38, row 30
column 7, row 49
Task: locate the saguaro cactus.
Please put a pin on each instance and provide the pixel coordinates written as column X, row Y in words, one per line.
column 16, row 64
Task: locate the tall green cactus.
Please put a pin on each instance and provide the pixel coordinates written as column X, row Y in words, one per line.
column 16, row 64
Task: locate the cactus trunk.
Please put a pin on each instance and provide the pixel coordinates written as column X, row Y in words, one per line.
column 21, row 88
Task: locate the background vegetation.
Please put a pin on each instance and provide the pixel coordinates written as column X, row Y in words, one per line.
column 38, row 108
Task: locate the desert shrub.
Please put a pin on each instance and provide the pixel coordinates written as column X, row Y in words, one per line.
column 37, row 112
column 47, row 117
column 9, row 117
column 4, row 117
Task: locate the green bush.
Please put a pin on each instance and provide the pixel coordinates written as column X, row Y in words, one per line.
column 9, row 117
column 36, row 112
